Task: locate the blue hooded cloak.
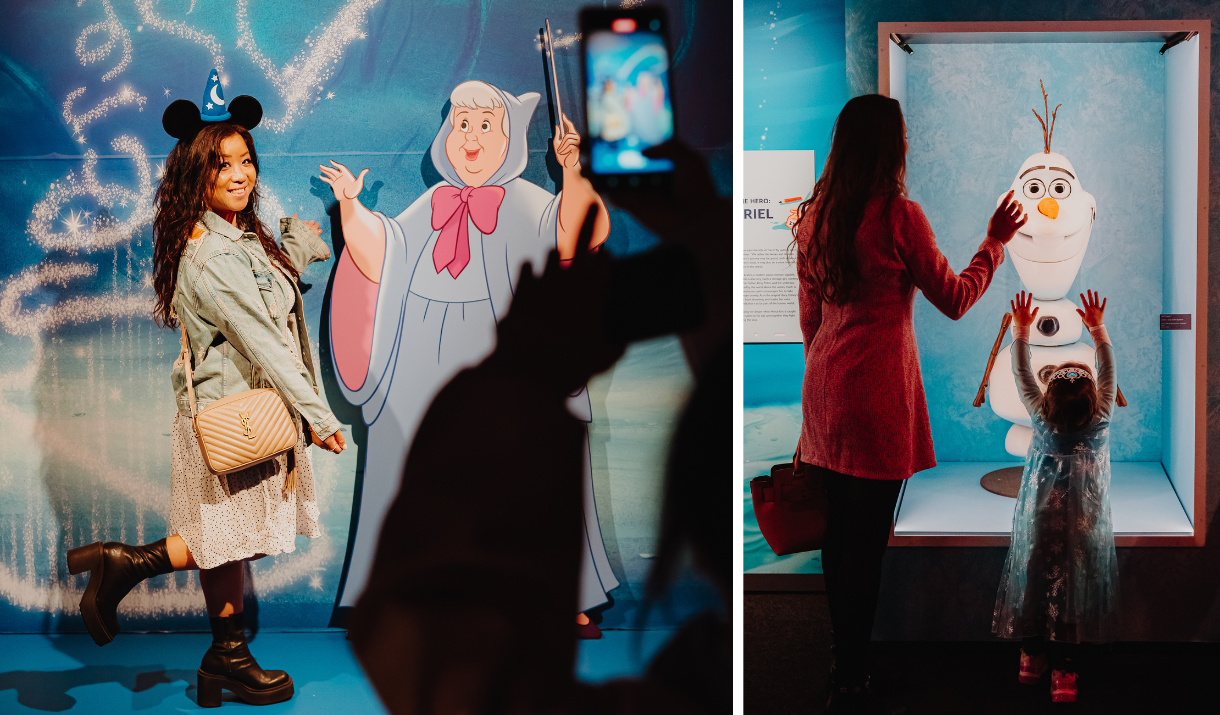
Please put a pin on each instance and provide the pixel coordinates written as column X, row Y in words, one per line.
column 428, row 326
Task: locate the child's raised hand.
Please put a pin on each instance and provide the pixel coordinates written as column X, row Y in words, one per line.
column 1093, row 311
column 1021, row 316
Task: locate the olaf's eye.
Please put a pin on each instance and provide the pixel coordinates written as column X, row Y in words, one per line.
column 486, row 126
column 1034, row 189
column 1060, row 189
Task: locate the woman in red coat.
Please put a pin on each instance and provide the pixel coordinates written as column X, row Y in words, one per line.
column 862, row 250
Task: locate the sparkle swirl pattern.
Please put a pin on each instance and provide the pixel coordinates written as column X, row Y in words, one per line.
column 301, row 80
column 118, row 34
column 76, row 336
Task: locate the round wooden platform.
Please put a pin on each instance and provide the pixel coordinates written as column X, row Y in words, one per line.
column 1004, row 482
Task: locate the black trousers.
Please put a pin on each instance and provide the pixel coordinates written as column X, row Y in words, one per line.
column 860, row 513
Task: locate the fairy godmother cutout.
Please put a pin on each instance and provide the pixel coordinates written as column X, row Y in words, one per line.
column 417, row 296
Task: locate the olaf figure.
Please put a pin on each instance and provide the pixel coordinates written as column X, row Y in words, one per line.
column 1047, row 252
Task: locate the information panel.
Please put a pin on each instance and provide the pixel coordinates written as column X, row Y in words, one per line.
column 776, row 182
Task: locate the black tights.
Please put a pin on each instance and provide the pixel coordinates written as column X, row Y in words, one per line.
column 860, row 513
column 1062, row 654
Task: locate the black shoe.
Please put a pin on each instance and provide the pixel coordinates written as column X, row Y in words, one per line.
column 228, row 665
column 854, row 694
column 848, row 694
column 114, row 569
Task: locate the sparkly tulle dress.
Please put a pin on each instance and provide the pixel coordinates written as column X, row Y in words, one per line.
column 1060, row 579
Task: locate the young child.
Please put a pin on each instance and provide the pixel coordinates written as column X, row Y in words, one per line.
column 1060, row 581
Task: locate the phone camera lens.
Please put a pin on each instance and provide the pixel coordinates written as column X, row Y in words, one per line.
column 612, row 182
column 634, row 181
column 655, row 25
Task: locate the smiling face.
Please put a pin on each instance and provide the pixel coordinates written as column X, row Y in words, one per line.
column 476, row 144
column 1047, row 187
column 235, row 180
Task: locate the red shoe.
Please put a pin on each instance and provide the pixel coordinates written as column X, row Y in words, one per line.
column 1031, row 669
column 1063, row 686
column 588, row 632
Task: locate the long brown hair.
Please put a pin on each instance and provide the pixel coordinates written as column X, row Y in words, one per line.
column 190, row 175
column 1070, row 404
column 867, row 158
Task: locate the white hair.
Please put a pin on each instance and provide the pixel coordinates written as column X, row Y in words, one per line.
column 476, row 95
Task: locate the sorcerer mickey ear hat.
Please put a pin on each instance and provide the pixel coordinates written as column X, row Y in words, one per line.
column 182, row 119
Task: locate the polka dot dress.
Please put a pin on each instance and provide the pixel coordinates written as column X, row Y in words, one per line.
column 241, row 514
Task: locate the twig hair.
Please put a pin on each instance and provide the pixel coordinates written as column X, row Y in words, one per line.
column 1046, row 133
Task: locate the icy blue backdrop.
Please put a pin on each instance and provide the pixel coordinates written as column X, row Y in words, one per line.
column 85, row 402
column 793, row 85
column 970, row 126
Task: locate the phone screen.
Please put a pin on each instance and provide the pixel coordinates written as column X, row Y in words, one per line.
column 627, row 96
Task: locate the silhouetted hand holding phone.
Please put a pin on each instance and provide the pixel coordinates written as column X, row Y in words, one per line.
column 695, row 217
column 554, row 330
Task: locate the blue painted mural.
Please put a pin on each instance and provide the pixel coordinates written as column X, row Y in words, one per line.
column 793, row 85
column 85, row 398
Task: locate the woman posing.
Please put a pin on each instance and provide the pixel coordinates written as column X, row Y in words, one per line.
column 222, row 277
column 862, row 250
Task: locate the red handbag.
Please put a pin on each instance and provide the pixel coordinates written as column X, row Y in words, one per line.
column 790, row 508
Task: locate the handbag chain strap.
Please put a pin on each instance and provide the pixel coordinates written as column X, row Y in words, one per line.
column 290, row 472
column 186, row 349
column 186, row 366
column 186, row 353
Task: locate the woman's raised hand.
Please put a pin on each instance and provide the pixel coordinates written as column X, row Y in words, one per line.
column 313, row 225
column 1021, row 315
column 1004, row 222
column 341, row 180
column 1093, row 312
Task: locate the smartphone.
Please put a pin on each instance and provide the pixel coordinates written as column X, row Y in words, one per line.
column 628, row 98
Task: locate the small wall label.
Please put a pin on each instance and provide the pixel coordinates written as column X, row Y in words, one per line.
column 1175, row 321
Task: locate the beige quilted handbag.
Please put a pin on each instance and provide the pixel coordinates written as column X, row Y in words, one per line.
column 241, row 430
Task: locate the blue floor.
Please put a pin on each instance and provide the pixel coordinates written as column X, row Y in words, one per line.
column 155, row 673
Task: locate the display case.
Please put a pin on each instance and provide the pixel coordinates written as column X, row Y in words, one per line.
column 1134, row 124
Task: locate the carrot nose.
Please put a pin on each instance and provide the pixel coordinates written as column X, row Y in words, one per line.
column 1048, row 207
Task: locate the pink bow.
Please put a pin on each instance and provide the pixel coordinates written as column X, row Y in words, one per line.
column 450, row 207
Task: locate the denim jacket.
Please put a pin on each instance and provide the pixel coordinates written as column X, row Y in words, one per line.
column 237, row 318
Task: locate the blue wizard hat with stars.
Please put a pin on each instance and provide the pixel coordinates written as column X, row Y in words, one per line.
column 214, row 109
column 182, row 119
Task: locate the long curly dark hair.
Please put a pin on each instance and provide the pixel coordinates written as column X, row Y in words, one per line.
column 867, row 159
column 1070, row 404
column 190, row 174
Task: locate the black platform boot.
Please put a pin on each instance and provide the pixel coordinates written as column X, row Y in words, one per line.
column 850, row 691
column 114, row 569
column 228, row 665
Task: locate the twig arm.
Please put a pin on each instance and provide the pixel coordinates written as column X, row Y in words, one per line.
column 995, row 350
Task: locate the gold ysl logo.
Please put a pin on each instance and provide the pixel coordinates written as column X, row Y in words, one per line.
column 245, row 423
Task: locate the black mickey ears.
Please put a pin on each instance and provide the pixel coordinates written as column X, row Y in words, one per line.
column 246, row 111
column 182, row 119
